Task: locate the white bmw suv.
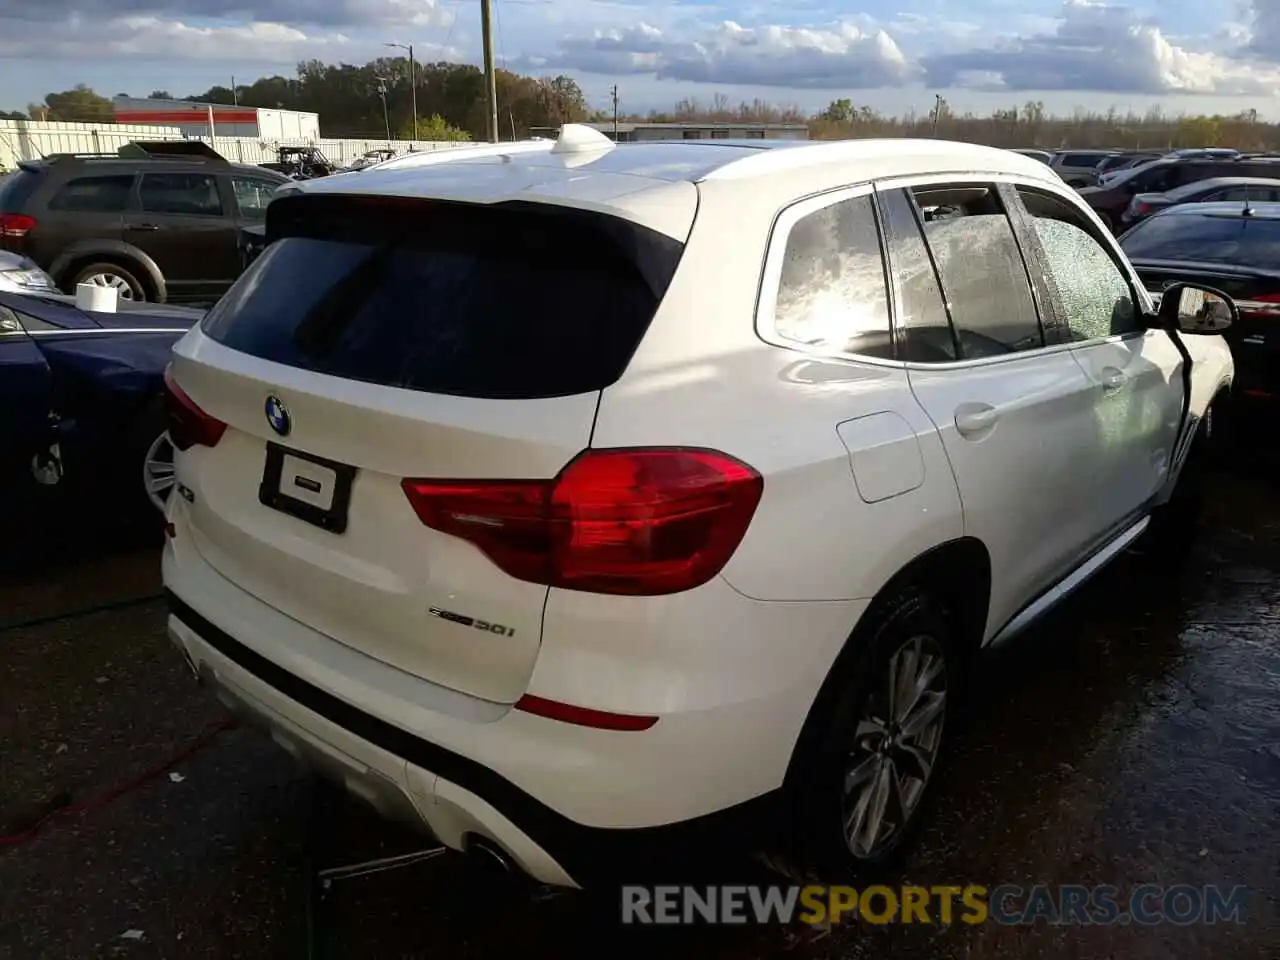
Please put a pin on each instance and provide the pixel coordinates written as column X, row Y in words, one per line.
column 580, row 500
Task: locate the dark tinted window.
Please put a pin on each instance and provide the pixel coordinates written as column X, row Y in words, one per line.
column 1083, row 159
column 1184, row 237
column 1236, row 240
column 983, row 275
column 831, row 292
column 181, row 193
column 97, row 194
column 922, row 315
column 515, row 300
column 1089, row 288
column 16, row 188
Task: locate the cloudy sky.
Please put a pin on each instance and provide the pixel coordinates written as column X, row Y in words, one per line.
column 1194, row 55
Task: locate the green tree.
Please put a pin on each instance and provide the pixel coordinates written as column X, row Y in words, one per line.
column 434, row 127
column 12, row 115
column 78, row 105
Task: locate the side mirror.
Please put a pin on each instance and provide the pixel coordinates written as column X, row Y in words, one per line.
column 1191, row 308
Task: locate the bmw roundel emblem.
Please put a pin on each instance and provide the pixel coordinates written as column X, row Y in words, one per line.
column 278, row 415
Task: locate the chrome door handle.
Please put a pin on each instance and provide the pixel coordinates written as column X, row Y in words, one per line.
column 1113, row 379
column 971, row 422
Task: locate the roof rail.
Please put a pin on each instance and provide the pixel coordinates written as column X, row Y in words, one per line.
column 170, row 150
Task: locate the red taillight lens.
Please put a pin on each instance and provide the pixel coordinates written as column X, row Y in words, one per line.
column 16, row 224
column 189, row 426
column 640, row 522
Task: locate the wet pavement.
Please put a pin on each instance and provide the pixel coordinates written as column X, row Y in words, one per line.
column 1134, row 738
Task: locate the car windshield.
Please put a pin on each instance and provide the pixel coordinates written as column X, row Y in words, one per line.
column 1211, row 239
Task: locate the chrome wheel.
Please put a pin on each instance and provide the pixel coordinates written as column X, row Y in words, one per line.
column 898, row 739
column 113, row 280
column 158, row 475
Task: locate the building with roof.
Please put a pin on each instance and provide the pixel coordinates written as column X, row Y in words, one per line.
column 229, row 121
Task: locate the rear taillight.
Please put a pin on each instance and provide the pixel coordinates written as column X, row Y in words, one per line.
column 16, row 225
column 189, row 426
column 640, row 522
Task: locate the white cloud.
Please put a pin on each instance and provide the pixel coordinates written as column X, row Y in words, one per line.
column 351, row 13
column 155, row 39
column 842, row 55
column 1105, row 48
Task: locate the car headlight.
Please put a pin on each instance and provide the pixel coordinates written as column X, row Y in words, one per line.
column 35, row 279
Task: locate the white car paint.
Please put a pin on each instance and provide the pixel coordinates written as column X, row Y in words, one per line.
column 867, row 463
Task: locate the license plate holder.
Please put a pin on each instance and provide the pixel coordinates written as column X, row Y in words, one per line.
column 309, row 488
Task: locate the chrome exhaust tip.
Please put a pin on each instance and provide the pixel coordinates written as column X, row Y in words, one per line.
column 490, row 856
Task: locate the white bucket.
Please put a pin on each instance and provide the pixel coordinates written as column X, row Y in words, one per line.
column 90, row 296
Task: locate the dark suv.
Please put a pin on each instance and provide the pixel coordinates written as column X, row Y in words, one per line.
column 156, row 226
column 1112, row 198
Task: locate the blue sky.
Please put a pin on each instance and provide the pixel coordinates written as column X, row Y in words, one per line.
column 1192, row 55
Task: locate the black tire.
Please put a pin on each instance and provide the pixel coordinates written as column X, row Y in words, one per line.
column 137, row 290
column 818, row 783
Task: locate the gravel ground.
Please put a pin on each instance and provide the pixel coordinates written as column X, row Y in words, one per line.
column 1134, row 738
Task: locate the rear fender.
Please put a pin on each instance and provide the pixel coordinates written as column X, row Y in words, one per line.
column 115, row 250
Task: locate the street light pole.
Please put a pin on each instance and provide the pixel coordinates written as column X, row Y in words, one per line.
column 413, row 85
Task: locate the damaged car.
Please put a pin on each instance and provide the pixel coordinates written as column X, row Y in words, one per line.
column 82, row 394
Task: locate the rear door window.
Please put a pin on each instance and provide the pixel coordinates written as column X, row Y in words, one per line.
column 983, row 276
column 502, row 301
column 924, row 329
column 190, row 194
column 105, row 194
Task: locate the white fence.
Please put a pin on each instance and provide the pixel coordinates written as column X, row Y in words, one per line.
column 32, row 139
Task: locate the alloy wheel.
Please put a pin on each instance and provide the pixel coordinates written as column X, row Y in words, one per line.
column 158, row 472
column 115, row 281
column 897, row 742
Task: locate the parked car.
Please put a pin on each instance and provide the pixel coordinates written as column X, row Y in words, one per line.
column 1112, row 198
column 1234, row 248
column 1044, row 156
column 1121, row 161
column 1241, row 189
column 300, row 163
column 20, row 275
column 160, row 228
column 83, row 400
column 1078, row 167
column 698, row 540
column 368, row 159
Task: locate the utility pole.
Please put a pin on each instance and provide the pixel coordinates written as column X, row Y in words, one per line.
column 235, row 97
column 413, row 85
column 386, row 116
column 937, row 111
column 614, row 93
column 490, row 77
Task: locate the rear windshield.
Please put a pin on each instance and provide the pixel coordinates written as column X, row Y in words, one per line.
column 503, row 301
column 1234, row 240
column 15, row 189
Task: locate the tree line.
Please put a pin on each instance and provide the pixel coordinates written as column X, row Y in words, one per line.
column 363, row 101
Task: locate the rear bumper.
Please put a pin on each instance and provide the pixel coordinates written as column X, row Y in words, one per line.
column 408, row 778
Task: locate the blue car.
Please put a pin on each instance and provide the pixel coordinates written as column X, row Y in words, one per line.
column 81, row 398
